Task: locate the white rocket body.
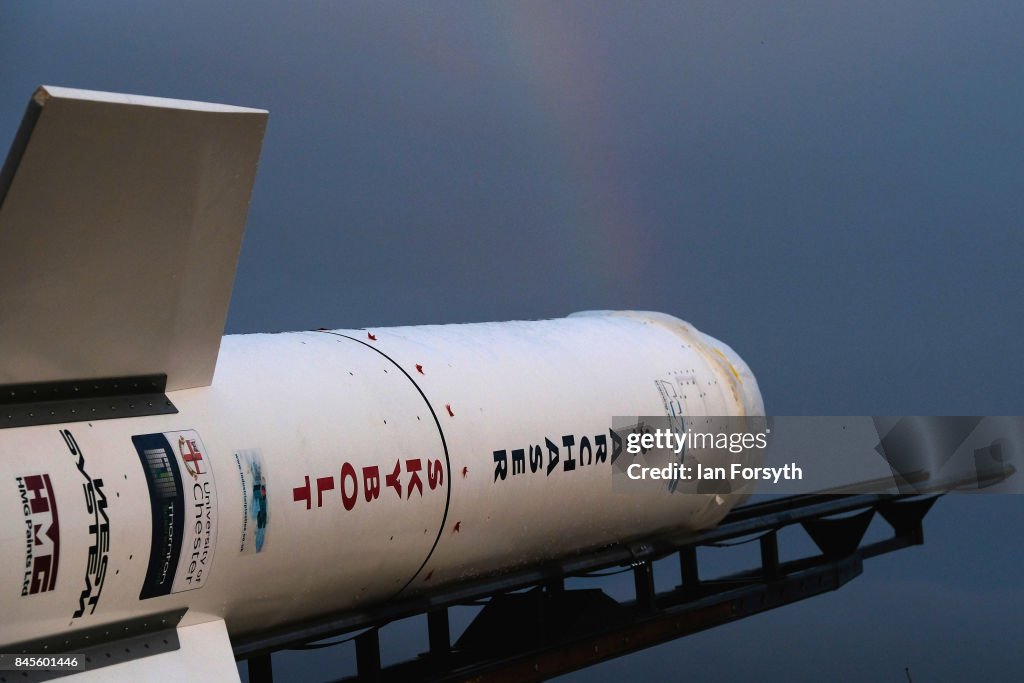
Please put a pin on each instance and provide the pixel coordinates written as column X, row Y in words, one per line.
column 319, row 472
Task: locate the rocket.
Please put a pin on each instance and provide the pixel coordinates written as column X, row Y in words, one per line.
column 154, row 473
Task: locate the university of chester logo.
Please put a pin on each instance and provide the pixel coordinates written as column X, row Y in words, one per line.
column 191, row 456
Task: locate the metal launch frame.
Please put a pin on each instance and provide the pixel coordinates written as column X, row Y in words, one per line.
column 532, row 627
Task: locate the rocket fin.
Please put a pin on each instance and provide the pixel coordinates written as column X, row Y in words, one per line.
column 204, row 656
column 121, row 221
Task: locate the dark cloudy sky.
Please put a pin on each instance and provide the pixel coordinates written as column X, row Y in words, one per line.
column 836, row 190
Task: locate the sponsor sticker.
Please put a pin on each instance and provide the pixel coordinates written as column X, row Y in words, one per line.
column 42, row 533
column 183, row 499
column 99, row 531
column 255, row 511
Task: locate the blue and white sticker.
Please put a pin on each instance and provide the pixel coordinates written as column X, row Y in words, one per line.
column 252, row 476
column 183, row 499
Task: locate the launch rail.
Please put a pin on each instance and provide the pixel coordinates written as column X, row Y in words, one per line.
column 532, row 627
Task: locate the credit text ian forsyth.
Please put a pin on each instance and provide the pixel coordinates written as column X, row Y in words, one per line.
column 638, row 442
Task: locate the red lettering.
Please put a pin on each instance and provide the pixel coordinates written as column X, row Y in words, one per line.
column 392, row 479
column 349, row 473
column 302, row 493
column 323, row 484
column 435, row 475
column 371, row 483
column 42, row 579
column 39, row 502
column 413, row 467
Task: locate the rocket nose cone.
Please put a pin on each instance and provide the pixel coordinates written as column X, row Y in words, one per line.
column 732, row 369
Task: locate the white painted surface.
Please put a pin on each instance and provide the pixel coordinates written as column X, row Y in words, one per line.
column 119, row 236
column 311, row 402
column 204, row 656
